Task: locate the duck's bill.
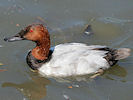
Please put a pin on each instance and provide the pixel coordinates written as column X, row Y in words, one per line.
column 12, row 39
column 17, row 37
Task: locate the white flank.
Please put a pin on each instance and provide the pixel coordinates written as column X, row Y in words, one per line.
column 74, row 59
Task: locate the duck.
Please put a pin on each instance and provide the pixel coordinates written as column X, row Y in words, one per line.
column 67, row 59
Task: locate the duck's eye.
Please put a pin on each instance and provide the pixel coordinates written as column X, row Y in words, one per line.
column 31, row 30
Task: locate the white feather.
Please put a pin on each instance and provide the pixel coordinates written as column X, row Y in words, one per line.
column 74, row 59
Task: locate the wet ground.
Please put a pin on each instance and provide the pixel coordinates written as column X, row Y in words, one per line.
column 112, row 24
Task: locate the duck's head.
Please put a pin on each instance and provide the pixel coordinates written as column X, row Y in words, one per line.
column 37, row 33
column 33, row 32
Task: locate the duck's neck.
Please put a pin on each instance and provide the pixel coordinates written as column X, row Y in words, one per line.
column 41, row 51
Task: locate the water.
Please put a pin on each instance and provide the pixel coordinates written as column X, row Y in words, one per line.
column 112, row 24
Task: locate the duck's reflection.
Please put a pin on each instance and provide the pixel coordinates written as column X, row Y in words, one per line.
column 33, row 90
column 116, row 71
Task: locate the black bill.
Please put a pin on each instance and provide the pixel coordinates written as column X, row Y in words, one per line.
column 17, row 37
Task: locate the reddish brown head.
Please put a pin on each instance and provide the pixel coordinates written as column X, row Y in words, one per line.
column 37, row 33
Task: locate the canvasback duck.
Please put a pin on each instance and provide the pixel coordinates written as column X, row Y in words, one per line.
column 69, row 59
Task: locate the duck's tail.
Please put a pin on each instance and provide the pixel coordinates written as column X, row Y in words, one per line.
column 122, row 53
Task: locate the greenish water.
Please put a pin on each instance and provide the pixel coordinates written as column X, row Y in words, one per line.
column 112, row 24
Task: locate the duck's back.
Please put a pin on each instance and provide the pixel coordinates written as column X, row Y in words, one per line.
column 75, row 59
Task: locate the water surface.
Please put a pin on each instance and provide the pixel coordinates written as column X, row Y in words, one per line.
column 112, row 23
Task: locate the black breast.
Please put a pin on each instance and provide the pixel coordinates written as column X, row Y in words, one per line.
column 35, row 63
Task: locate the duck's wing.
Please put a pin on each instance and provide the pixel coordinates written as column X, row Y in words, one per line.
column 68, row 47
